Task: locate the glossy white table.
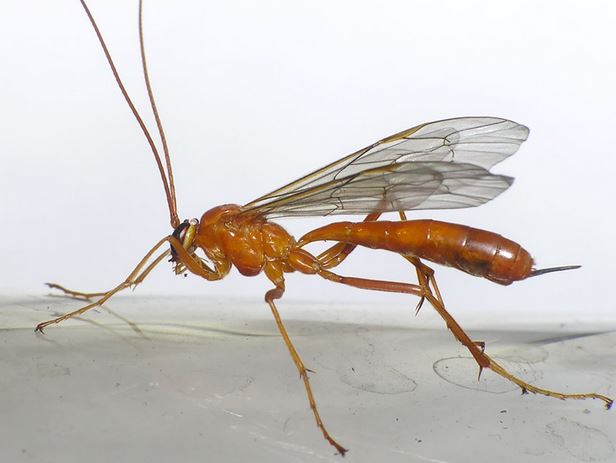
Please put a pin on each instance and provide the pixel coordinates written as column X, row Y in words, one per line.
column 211, row 381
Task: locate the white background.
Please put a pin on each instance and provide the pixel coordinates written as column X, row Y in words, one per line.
column 255, row 94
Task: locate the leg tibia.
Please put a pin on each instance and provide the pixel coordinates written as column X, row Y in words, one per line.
column 476, row 348
column 74, row 294
column 136, row 276
column 277, row 293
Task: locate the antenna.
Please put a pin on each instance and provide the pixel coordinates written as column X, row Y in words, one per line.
column 169, row 191
column 175, row 221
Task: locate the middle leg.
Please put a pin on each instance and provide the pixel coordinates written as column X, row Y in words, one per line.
column 270, row 296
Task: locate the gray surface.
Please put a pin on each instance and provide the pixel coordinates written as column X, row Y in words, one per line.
column 204, row 380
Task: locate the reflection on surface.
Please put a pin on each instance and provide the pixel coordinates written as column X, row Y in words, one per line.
column 181, row 379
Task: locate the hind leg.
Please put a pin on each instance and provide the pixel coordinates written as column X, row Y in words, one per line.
column 475, row 348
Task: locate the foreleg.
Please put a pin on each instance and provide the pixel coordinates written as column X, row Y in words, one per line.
column 75, row 294
column 140, row 272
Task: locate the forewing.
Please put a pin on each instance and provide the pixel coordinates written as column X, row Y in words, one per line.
column 480, row 141
column 397, row 187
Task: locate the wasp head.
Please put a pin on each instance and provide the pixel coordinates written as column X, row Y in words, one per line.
column 185, row 233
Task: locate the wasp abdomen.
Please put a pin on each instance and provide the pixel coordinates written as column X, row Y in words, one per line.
column 474, row 251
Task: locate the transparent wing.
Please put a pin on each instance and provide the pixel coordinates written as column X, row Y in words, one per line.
column 437, row 165
column 398, row 187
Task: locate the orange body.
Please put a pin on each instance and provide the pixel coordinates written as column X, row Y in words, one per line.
column 477, row 252
column 436, row 165
column 253, row 245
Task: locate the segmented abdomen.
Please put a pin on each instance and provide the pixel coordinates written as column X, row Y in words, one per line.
column 474, row 251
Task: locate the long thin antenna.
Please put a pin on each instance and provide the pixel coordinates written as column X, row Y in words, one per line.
column 175, row 221
column 170, row 199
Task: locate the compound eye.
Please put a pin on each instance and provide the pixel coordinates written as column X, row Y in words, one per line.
column 180, row 234
column 180, row 231
column 184, row 233
column 189, row 233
